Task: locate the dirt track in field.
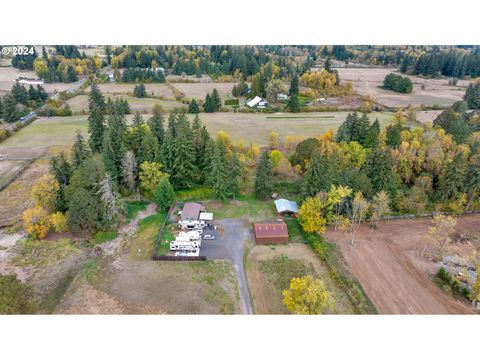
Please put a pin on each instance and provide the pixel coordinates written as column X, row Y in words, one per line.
column 392, row 268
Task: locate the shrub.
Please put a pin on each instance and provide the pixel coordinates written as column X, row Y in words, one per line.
column 230, row 102
column 58, row 221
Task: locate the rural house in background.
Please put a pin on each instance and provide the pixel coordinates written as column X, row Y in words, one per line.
column 257, row 102
column 286, row 207
column 274, row 232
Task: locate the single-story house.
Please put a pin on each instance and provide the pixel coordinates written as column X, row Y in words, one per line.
column 258, row 102
column 286, row 207
column 191, row 211
column 274, row 232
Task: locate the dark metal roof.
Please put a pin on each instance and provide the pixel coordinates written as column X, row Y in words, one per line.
column 275, row 228
column 191, row 211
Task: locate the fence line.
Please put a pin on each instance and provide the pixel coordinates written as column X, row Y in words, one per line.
column 160, row 234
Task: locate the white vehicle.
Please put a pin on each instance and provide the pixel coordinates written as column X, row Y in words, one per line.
column 208, row 237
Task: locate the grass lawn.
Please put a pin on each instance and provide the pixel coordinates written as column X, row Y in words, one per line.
column 294, row 234
column 103, row 236
column 144, row 240
column 134, row 207
column 195, row 194
column 281, row 269
column 246, row 207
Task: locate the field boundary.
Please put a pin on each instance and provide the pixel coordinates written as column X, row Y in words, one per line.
column 160, row 234
column 178, row 258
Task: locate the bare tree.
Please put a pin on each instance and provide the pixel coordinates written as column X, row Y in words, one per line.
column 380, row 208
column 440, row 233
column 129, row 172
column 358, row 213
column 111, row 201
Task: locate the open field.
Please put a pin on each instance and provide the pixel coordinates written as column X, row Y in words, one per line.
column 366, row 81
column 79, row 103
column 200, row 90
column 269, row 272
column 9, row 171
column 256, row 127
column 9, row 74
column 191, row 78
column 161, row 90
column 393, row 270
column 45, row 132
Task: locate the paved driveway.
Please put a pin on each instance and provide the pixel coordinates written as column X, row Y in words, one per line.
column 230, row 241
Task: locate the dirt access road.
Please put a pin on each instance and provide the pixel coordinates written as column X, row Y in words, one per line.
column 392, row 268
column 230, row 243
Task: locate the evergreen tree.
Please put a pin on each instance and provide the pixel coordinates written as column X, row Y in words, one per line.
column 233, row 172
column 61, row 170
column 371, row 139
column 294, row 104
column 472, row 96
column 258, row 86
column 96, row 125
column 1, row 108
column 193, row 107
column 354, row 129
column 113, row 145
column 44, row 54
column 136, row 137
column 293, row 86
column 379, row 168
column 140, row 91
column 264, row 177
column 217, row 176
column 472, row 185
column 10, row 111
column 164, row 194
column 208, row 106
column 155, row 123
column 80, row 151
column 318, row 176
column 452, row 181
column 184, row 171
column 217, row 102
column 394, row 138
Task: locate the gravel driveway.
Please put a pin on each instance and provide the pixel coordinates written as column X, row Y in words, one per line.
column 230, row 241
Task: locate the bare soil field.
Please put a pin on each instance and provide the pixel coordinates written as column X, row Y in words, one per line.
column 161, row 90
column 200, row 90
column 266, row 298
column 393, row 270
column 367, row 81
column 79, row 104
column 256, row 127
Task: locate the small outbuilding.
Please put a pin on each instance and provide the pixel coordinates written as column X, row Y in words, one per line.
column 286, row 207
column 258, row 103
column 191, row 211
column 275, row 232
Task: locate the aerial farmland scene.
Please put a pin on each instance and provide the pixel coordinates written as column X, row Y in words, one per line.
column 240, row 179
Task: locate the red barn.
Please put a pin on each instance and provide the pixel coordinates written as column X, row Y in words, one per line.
column 274, row 232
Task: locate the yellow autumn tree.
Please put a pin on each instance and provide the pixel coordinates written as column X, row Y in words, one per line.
column 150, row 175
column 310, row 215
column 308, row 296
column 45, row 192
column 273, row 140
column 58, row 221
column 276, row 156
column 36, row 222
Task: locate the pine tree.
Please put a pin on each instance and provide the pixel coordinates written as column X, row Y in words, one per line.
column 318, row 176
column 136, row 137
column 472, row 96
column 193, row 107
column 96, row 126
column 140, row 91
column 80, row 151
column 472, row 185
column 61, row 169
column 217, row 102
column 10, row 112
column 264, row 177
column 293, row 86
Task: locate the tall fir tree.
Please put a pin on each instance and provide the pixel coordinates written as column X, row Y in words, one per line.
column 293, row 90
column 217, row 102
column 452, row 181
column 234, row 169
column 208, row 106
column 318, row 176
column 96, row 121
column 113, row 146
column 217, row 176
column 80, row 151
column 264, row 177
column 155, row 123
column 193, row 107
column 379, row 169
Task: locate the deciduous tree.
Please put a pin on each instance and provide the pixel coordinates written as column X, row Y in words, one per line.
column 308, row 296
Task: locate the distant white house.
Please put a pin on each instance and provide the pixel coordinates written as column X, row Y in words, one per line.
column 30, row 81
column 282, row 97
column 111, row 77
column 258, row 103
